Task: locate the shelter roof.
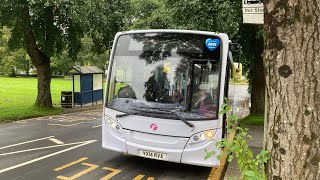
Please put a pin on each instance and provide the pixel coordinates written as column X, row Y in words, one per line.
column 85, row 70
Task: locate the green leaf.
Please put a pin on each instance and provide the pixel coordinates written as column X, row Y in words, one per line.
column 222, row 112
column 207, row 156
column 219, row 157
column 258, row 156
column 234, row 117
column 249, row 175
column 230, row 130
column 230, row 158
column 223, row 106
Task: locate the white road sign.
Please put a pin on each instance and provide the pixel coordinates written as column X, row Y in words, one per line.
column 253, row 11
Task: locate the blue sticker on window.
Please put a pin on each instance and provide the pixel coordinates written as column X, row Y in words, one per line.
column 212, row 44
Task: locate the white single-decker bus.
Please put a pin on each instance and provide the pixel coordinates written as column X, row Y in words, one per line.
column 164, row 89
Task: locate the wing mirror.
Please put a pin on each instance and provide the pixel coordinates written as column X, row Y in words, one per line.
column 235, row 47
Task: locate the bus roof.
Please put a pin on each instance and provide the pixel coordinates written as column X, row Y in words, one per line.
column 174, row 31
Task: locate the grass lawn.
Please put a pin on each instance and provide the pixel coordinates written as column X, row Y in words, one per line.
column 17, row 96
column 253, row 119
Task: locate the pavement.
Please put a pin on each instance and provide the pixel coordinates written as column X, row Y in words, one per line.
column 255, row 144
column 86, row 107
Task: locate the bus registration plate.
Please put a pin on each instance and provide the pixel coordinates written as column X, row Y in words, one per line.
column 153, row 155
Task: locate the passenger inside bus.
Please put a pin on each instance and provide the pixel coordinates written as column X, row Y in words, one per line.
column 177, row 96
column 126, row 91
column 204, row 104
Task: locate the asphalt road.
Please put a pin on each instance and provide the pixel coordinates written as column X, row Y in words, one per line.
column 69, row 147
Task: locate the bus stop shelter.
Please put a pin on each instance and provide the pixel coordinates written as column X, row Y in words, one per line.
column 87, row 84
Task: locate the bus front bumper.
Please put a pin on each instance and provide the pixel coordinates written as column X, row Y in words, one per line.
column 188, row 155
column 192, row 156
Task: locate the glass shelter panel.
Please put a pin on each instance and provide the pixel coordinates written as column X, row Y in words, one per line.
column 97, row 81
column 77, row 83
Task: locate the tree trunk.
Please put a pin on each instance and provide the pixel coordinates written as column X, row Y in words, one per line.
column 258, row 78
column 44, row 81
column 13, row 73
column 42, row 63
column 292, row 55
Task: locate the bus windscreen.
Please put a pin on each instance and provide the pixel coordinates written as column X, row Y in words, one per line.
column 153, row 73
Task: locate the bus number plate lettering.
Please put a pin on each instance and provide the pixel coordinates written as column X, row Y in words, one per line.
column 153, row 155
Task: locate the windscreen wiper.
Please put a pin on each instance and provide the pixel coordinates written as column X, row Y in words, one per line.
column 126, row 114
column 161, row 110
column 182, row 119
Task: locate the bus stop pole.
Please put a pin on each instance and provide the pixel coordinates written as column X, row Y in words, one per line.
column 102, row 86
column 73, row 90
column 92, row 90
column 80, row 91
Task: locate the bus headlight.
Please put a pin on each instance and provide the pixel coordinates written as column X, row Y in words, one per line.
column 209, row 134
column 108, row 120
column 113, row 124
column 201, row 138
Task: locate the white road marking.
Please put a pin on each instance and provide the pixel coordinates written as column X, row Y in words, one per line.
column 35, row 149
column 56, row 141
column 96, row 126
column 65, row 124
column 26, row 142
column 22, row 122
column 45, row 157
